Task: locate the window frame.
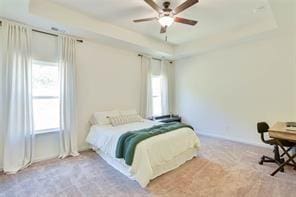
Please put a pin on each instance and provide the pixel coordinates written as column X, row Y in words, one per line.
column 45, row 63
column 153, row 96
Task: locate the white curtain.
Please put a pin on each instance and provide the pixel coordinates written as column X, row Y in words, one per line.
column 166, row 87
column 68, row 133
column 16, row 102
column 146, row 90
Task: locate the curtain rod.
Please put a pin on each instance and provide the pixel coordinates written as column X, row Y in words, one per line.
column 47, row 33
column 140, row 55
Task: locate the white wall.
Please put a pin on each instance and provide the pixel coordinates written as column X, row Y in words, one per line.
column 294, row 54
column 1, row 133
column 226, row 91
column 108, row 78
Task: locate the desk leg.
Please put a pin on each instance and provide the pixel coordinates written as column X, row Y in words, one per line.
column 285, row 151
column 283, row 164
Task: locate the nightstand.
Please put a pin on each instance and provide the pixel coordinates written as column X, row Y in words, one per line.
column 168, row 118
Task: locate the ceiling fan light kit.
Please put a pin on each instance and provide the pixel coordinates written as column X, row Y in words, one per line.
column 166, row 21
column 167, row 15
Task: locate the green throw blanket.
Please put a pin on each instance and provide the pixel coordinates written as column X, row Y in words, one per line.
column 127, row 142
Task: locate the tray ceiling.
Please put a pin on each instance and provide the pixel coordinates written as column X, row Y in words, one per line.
column 214, row 16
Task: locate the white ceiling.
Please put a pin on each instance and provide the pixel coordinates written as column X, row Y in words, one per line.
column 221, row 23
column 214, row 16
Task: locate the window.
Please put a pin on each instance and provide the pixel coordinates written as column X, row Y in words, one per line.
column 46, row 100
column 156, row 95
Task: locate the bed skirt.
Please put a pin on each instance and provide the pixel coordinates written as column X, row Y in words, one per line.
column 141, row 177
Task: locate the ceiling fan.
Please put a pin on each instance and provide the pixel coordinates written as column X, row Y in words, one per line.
column 167, row 15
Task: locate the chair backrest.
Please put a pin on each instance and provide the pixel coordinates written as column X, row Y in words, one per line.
column 262, row 127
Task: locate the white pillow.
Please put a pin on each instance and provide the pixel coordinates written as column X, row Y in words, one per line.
column 124, row 119
column 102, row 118
column 128, row 112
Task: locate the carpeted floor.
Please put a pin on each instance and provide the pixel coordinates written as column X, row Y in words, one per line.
column 223, row 168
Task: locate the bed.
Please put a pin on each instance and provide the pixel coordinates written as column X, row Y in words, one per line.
column 153, row 156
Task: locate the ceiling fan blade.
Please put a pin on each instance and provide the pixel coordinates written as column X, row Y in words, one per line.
column 154, row 5
column 145, row 19
column 163, row 29
column 184, row 6
column 185, row 21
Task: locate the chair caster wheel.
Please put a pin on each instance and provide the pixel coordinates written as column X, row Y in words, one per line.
column 260, row 162
column 282, row 170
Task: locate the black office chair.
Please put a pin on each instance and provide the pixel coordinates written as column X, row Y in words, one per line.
column 262, row 128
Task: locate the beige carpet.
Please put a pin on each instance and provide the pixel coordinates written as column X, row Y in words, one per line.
column 223, row 168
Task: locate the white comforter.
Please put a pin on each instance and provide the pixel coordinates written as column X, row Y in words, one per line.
column 150, row 153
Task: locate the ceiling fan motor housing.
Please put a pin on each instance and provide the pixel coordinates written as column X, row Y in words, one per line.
column 166, row 6
column 169, row 14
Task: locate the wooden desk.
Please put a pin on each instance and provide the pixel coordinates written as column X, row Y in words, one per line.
column 280, row 131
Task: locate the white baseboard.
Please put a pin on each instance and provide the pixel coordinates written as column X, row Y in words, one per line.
column 233, row 139
column 47, row 157
column 44, row 158
column 84, row 148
